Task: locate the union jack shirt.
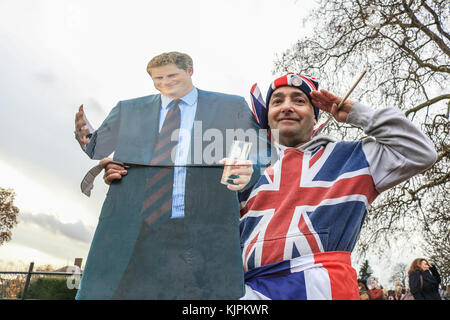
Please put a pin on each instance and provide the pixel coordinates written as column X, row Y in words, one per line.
column 302, row 219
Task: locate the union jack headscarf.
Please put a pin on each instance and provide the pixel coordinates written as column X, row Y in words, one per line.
column 303, row 82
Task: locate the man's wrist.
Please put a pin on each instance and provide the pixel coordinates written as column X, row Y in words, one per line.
column 359, row 115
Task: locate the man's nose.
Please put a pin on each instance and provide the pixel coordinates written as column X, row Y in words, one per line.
column 287, row 106
column 166, row 80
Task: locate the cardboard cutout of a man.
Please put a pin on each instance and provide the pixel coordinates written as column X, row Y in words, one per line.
column 300, row 222
column 169, row 231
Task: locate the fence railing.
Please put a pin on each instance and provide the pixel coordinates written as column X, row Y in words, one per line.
column 5, row 282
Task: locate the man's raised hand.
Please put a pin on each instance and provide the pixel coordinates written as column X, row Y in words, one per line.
column 80, row 128
column 328, row 102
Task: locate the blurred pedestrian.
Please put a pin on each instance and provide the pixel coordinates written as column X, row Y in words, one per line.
column 424, row 280
column 391, row 295
column 375, row 289
column 408, row 295
column 363, row 294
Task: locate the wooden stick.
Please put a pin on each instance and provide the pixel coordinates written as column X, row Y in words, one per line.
column 346, row 96
column 351, row 90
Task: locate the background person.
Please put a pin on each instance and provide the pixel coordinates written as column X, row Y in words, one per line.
column 424, row 280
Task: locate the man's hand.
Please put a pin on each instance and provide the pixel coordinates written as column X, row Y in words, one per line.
column 328, row 102
column 113, row 171
column 244, row 171
column 80, row 130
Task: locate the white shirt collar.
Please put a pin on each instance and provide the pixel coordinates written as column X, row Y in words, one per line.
column 188, row 99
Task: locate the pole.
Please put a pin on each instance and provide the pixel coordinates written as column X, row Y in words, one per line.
column 27, row 282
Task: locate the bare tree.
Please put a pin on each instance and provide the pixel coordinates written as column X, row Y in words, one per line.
column 404, row 45
column 399, row 273
column 8, row 214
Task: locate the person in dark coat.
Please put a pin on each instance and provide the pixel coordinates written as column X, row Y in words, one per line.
column 424, row 280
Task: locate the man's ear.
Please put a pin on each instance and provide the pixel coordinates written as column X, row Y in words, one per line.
column 190, row 71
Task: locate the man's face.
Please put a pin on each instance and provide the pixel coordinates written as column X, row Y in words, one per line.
column 172, row 81
column 291, row 112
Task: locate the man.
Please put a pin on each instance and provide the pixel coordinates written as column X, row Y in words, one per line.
column 168, row 230
column 300, row 222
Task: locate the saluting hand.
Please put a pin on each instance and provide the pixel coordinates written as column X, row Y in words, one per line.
column 328, row 102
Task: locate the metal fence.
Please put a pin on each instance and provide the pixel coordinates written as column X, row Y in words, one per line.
column 15, row 284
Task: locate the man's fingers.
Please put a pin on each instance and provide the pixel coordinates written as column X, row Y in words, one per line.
column 324, row 99
column 79, row 115
column 114, row 167
column 241, row 180
column 114, row 174
column 334, row 110
column 111, row 177
column 235, row 187
column 113, row 171
column 242, row 171
column 79, row 124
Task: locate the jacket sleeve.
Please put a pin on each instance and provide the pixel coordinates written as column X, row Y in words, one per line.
column 395, row 149
column 414, row 285
column 435, row 274
column 104, row 140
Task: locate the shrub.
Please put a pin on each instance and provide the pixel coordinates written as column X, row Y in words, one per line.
column 50, row 289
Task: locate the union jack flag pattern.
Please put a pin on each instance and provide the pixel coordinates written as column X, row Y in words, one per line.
column 301, row 220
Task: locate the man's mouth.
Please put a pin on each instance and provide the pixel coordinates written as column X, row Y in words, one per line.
column 289, row 119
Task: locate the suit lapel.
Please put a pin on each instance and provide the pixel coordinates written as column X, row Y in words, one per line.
column 150, row 112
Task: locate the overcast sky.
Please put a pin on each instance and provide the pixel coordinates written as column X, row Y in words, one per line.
column 58, row 54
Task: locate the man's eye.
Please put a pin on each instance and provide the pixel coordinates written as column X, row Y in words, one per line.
column 301, row 100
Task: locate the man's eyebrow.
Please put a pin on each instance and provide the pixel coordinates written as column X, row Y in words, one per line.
column 278, row 94
column 294, row 94
column 298, row 93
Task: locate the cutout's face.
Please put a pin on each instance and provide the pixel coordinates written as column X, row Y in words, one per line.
column 172, row 81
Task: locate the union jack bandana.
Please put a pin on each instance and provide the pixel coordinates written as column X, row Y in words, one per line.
column 303, row 82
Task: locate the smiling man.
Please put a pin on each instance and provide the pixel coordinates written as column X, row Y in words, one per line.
column 300, row 222
column 169, row 230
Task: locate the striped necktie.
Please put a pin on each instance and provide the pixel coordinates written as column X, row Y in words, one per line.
column 157, row 206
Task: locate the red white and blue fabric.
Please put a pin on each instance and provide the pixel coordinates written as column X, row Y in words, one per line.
column 321, row 276
column 259, row 106
column 306, row 210
column 304, row 82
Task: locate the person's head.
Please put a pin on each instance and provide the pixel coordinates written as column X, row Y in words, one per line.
column 419, row 264
column 362, row 285
column 171, row 73
column 290, row 110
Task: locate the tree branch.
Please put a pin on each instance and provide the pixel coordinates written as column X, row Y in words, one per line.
column 427, row 103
